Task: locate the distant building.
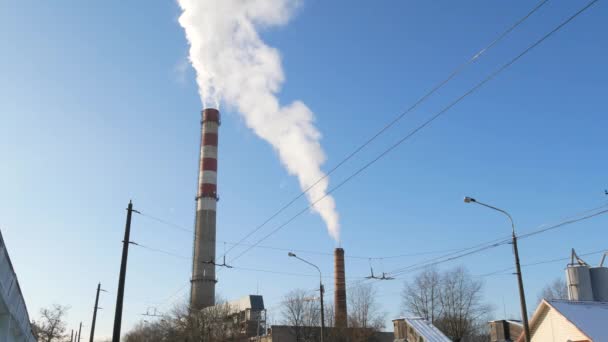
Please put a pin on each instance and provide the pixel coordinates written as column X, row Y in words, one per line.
column 505, row 330
column 417, row 329
column 576, row 321
column 247, row 317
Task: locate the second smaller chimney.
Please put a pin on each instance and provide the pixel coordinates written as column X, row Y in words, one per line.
column 340, row 290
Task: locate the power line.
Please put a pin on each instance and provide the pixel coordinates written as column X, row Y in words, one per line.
column 457, row 255
column 489, row 245
column 165, row 222
column 425, row 124
column 283, row 249
column 158, row 250
column 539, row 231
column 500, row 272
column 438, row 86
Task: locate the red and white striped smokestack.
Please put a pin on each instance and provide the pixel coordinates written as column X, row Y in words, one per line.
column 340, row 312
column 202, row 292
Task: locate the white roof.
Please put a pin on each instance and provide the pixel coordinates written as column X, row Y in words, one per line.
column 426, row 329
column 589, row 317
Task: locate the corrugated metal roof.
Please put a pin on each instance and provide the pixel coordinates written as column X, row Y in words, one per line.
column 426, row 329
column 589, row 317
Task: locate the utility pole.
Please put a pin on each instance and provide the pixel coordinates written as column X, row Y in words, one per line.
column 95, row 312
column 123, row 272
column 522, row 295
column 79, row 331
column 72, row 336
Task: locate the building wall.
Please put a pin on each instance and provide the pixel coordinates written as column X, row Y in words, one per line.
column 503, row 330
column 554, row 327
column 14, row 318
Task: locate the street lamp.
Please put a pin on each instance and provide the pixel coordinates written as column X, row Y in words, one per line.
column 293, row 255
column 522, row 296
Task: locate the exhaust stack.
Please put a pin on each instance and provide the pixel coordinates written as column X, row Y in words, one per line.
column 202, row 292
column 340, row 290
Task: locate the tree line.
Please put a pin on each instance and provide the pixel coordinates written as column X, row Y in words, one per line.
column 451, row 299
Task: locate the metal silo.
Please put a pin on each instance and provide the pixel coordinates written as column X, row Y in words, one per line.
column 599, row 281
column 578, row 278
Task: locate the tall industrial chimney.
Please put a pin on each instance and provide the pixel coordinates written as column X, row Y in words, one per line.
column 339, row 290
column 202, row 293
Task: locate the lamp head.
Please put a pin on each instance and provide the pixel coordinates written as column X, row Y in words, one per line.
column 469, row 199
column 291, row 254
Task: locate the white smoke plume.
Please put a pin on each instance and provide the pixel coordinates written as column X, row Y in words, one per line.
column 234, row 66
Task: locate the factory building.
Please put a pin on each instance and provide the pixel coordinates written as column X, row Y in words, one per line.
column 248, row 317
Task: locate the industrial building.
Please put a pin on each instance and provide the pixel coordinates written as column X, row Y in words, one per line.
column 247, row 318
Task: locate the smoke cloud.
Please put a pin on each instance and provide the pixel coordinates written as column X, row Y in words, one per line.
column 234, row 66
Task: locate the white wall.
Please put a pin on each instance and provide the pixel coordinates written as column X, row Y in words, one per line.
column 554, row 327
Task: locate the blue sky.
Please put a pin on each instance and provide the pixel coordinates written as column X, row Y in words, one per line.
column 98, row 106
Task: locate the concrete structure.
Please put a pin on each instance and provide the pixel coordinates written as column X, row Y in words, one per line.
column 14, row 319
column 505, row 330
column 340, row 310
column 417, row 329
column 562, row 320
column 202, row 293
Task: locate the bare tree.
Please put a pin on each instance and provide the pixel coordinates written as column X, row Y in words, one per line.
column 51, row 326
column 421, row 297
column 216, row 323
column 364, row 315
column 557, row 289
column 302, row 313
column 462, row 305
column 452, row 300
column 329, row 315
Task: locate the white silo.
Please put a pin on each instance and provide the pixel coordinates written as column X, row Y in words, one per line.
column 578, row 278
column 599, row 281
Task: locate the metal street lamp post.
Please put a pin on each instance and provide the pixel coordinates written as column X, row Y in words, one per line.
column 522, row 295
column 293, row 255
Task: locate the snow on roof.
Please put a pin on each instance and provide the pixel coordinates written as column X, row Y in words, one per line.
column 426, row 329
column 589, row 317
